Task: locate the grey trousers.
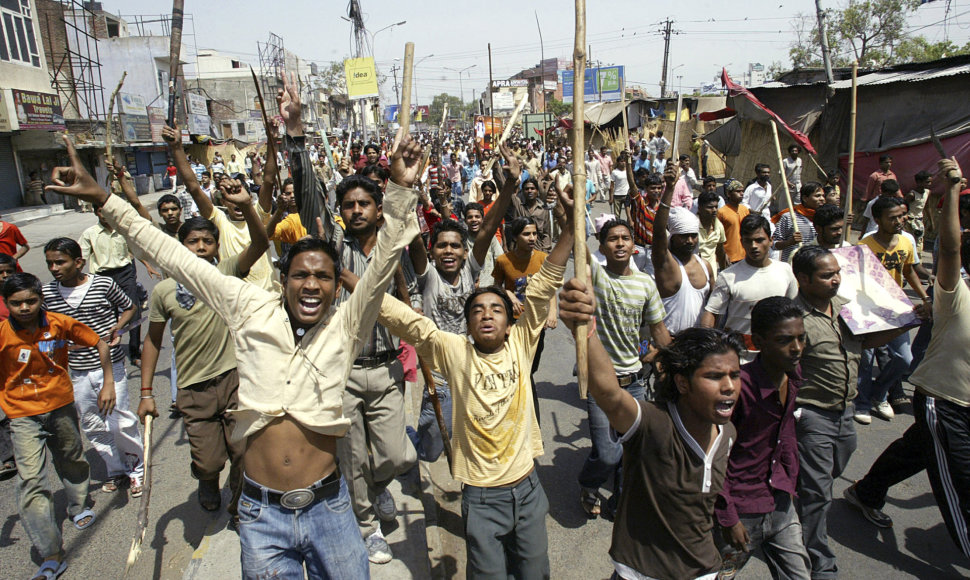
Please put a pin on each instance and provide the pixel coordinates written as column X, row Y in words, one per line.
column 376, row 448
column 505, row 531
column 779, row 535
column 826, row 441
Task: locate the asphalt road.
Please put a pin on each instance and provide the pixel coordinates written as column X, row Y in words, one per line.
column 917, row 547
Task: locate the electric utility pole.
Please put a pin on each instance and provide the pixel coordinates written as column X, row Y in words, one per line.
column 663, row 75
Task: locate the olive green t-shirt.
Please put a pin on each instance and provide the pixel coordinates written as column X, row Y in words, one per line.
column 203, row 345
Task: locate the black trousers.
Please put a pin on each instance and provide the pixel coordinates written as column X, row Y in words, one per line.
column 127, row 278
column 939, row 441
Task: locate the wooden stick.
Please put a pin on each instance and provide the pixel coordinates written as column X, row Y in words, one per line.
column 784, row 180
column 852, row 119
column 404, row 114
column 270, row 143
column 505, row 133
column 436, row 405
column 146, row 495
column 174, row 49
column 824, row 173
column 626, row 130
column 108, row 136
column 579, row 189
column 674, row 147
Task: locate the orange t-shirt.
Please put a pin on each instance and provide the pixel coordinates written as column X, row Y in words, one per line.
column 514, row 274
column 34, row 364
column 731, row 219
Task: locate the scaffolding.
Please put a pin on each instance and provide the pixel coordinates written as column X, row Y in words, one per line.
column 76, row 65
column 272, row 65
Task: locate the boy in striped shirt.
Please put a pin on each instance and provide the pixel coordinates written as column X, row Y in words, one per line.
column 94, row 300
column 628, row 308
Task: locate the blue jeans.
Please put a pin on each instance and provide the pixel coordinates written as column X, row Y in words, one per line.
column 604, row 455
column 427, row 439
column 874, row 391
column 276, row 542
column 36, row 441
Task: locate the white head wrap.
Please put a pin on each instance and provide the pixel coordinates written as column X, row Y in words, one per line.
column 601, row 221
column 682, row 221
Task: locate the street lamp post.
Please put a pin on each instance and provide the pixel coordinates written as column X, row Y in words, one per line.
column 461, row 90
column 414, row 77
column 374, row 54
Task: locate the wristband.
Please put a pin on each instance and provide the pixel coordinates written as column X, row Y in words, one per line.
column 148, row 397
column 665, row 205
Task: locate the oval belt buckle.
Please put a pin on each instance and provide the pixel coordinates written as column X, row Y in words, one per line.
column 297, row 499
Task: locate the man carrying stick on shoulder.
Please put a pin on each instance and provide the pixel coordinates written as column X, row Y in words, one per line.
column 294, row 354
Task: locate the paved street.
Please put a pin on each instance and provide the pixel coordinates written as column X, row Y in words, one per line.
column 917, row 547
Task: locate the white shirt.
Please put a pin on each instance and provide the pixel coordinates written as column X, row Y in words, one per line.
column 756, row 198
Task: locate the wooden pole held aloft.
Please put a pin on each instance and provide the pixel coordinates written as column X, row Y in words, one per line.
column 852, row 117
column 784, row 178
column 579, row 189
column 404, row 114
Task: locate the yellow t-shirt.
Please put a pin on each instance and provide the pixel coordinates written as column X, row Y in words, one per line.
column 233, row 239
column 496, row 436
column 896, row 260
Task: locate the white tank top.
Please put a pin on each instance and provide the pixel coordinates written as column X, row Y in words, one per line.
column 684, row 307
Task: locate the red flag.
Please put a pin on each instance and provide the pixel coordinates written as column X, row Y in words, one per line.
column 736, row 90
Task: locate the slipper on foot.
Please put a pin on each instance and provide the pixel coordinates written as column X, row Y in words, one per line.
column 50, row 570
column 85, row 514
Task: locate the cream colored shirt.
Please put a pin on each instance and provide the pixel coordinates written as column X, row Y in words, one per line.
column 277, row 375
column 103, row 249
column 496, row 435
column 233, row 239
column 945, row 369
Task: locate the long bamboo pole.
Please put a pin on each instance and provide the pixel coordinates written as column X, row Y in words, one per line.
column 626, row 130
column 852, row 116
column 784, row 181
column 579, row 188
column 404, row 114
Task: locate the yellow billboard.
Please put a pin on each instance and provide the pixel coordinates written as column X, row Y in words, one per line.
column 361, row 77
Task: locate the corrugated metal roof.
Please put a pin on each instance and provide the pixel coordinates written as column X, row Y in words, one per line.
column 886, row 76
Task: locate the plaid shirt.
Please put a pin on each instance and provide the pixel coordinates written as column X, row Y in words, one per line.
column 641, row 219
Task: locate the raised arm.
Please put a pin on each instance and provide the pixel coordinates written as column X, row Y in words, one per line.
column 237, row 193
column 666, row 269
column 948, row 269
column 493, row 219
column 577, row 304
column 172, row 136
column 310, row 196
column 224, row 294
column 127, row 189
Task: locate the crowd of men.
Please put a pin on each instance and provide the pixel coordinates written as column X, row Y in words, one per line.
column 724, row 381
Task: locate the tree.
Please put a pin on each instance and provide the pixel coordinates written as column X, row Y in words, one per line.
column 333, row 78
column 869, row 31
column 456, row 109
column 918, row 49
column 558, row 108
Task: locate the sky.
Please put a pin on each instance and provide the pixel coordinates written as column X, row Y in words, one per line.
column 450, row 36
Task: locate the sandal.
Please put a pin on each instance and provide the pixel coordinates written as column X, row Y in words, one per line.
column 87, row 513
column 49, row 570
column 9, row 468
column 109, row 486
column 135, row 486
column 590, row 501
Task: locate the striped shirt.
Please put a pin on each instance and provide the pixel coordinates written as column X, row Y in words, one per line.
column 98, row 310
column 785, row 230
column 626, row 306
column 311, row 198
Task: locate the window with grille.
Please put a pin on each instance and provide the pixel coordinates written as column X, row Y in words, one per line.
column 17, row 41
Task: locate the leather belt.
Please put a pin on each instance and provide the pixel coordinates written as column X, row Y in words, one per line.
column 297, row 498
column 627, row 380
column 376, row 360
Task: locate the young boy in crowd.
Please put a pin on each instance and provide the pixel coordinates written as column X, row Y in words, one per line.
column 94, row 300
column 756, row 509
column 675, row 449
column 38, row 398
column 496, row 436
